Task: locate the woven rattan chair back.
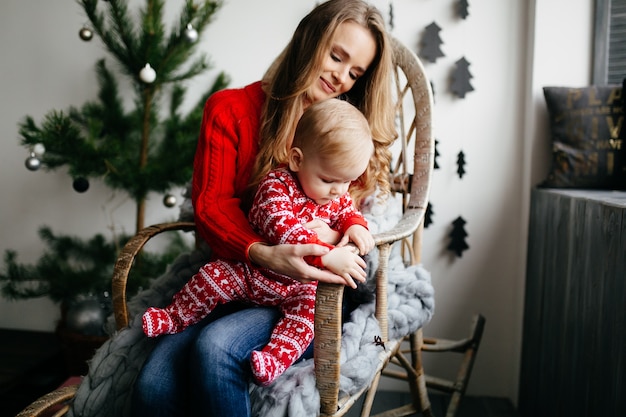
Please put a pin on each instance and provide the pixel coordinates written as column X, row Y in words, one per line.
column 411, row 175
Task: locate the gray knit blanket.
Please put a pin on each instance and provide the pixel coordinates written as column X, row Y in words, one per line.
column 107, row 388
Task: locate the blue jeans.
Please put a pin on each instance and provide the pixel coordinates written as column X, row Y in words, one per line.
column 204, row 370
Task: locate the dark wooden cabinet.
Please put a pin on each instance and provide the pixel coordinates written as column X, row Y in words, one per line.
column 574, row 334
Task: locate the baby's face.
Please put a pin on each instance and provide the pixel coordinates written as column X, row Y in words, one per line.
column 323, row 179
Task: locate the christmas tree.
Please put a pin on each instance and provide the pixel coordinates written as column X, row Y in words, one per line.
column 148, row 148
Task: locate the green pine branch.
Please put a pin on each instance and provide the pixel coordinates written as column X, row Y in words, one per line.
column 134, row 47
column 132, row 150
column 137, row 150
column 71, row 266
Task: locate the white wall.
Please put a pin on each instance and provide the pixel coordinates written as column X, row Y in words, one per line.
column 514, row 47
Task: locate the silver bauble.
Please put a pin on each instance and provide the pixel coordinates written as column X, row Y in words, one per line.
column 190, row 33
column 169, row 201
column 147, row 74
column 86, row 316
column 32, row 162
column 85, row 34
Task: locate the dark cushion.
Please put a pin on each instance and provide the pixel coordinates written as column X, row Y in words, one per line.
column 587, row 126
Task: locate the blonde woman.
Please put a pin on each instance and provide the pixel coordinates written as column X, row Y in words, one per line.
column 340, row 49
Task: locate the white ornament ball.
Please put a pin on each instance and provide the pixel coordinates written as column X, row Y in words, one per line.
column 147, row 74
column 85, row 34
column 39, row 149
column 191, row 34
column 169, row 201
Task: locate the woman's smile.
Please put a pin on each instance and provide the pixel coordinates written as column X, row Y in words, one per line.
column 327, row 86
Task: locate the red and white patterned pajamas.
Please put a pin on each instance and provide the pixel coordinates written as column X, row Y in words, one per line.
column 279, row 211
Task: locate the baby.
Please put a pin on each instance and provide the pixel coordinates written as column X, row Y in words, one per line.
column 331, row 149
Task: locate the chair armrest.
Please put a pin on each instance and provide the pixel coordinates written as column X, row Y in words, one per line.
column 406, row 226
column 125, row 262
column 328, row 311
column 43, row 406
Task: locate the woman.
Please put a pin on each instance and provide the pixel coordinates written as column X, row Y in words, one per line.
column 340, row 49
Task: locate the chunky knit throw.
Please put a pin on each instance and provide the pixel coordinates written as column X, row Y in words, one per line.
column 106, row 389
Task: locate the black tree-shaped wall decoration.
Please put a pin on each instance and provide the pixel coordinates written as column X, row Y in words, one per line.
column 461, row 78
column 458, row 235
column 462, row 8
column 430, row 43
column 436, row 165
column 428, row 216
column 460, row 162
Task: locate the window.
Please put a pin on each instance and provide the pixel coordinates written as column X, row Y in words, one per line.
column 609, row 66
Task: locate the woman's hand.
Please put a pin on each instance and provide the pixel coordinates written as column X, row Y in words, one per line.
column 324, row 232
column 289, row 260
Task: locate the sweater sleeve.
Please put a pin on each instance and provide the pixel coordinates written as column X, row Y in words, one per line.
column 224, row 159
column 347, row 215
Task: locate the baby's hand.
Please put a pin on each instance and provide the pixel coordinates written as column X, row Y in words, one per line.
column 348, row 265
column 360, row 236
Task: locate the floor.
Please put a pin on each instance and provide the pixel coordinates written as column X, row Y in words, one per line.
column 31, row 365
column 469, row 407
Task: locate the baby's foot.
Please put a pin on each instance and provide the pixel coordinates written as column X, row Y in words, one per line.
column 265, row 367
column 156, row 322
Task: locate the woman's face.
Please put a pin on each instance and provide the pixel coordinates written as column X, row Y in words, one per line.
column 352, row 50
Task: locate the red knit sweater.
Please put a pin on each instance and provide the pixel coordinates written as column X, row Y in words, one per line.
column 224, row 160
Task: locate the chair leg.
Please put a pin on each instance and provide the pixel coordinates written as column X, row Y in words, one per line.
column 418, row 385
column 413, row 373
column 469, row 348
column 368, row 402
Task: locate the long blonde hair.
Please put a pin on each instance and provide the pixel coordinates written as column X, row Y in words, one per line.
column 299, row 65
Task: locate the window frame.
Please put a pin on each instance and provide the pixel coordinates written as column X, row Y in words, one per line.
column 604, row 35
column 601, row 42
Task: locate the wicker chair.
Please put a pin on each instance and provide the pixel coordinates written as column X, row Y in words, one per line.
column 411, row 178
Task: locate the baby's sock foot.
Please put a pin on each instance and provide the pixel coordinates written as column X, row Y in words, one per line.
column 156, row 321
column 265, row 367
